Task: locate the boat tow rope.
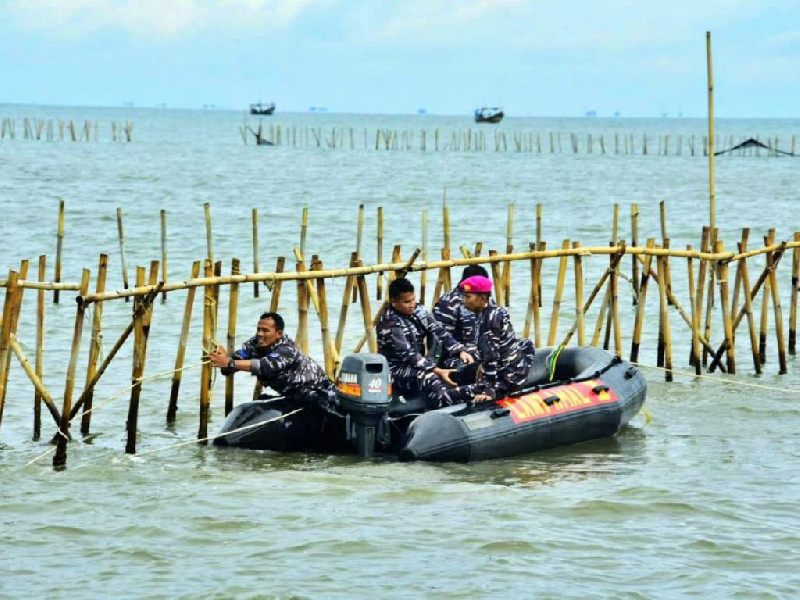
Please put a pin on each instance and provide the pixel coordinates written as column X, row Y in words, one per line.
column 719, row 380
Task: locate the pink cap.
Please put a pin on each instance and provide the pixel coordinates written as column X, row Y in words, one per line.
column 477, row 284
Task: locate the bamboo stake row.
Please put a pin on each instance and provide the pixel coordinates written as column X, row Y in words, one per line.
column 58, row 130
column 474, row 140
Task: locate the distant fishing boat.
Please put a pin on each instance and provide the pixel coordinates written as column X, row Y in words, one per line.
column 488, row 115
column 262, row 109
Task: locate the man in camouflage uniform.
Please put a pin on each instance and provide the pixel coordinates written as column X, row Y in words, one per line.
column 272, row 357
column 505, row 360
column 456, row 319
column 404, row 329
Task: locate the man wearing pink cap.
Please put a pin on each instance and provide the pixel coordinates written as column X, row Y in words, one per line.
column 505, row 360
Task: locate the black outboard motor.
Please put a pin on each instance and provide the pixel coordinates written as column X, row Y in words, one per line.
column 364, row 393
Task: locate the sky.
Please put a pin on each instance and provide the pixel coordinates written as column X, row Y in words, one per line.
column 638, row 58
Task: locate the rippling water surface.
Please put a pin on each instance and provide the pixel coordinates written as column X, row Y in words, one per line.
column 700, row 502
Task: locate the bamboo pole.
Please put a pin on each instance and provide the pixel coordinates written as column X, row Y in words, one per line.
column 748, row 306
column 446, row 283
column 5, row 335
column 301, row 337
column 762, row 348
column 366, row 270
column 694, row 352
column 634, row 242
column 722, row 277
column 562, row 274
column 275, row 298
column 639, row 320
column 711, row 176
column 233, row 307
column 328, row 349
column 172, row 408
column 509, row 250
column 366, row 312
column 348, row 290
column 533, row 299
column 23, row 274
column 701, row 282
column 205, row 373
column 141, row 330
column 94, row 344
column 121, row 234
column 778, row 313
column 39, row 368
column 795, row 289
column 41, row 390
column 497, row 282
column 614, row 309
column 256, row 266
column 60, row 457
column 164, row 252
column 665, row 336
column 209, row 242
column 59, row 247
column 304, row 231
column 379, row 293
column 710, row 296
column 424, row 274
column 579, row 296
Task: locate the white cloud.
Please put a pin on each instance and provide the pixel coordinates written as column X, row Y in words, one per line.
column 154, row 18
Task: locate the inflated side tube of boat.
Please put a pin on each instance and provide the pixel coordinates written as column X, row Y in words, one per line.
column 591, row 396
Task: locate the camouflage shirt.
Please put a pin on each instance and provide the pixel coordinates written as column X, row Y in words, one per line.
column 455, row 317
column 283, row 367
column 505, row 358
column 402, row 338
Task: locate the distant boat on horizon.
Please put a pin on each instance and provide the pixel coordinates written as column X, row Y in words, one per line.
column 262, row 109
column 486, row 114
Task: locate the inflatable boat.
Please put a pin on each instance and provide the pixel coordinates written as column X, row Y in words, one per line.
column 570, row 396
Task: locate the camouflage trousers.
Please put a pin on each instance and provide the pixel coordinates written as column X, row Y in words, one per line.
column 409, row 382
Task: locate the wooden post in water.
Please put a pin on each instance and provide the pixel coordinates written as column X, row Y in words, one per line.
column 172, row 409
column 164, row 252
column 141, row 332
column 94, row 344
column 562, row 275
column 711, row 175
column 256, row 267
column 205, row 374
column 59, row 247
column 795, row 289
column 379, row 293
column 497, row 283
column 694, row 351
column 639, row 321
column 275, row 298
column 5, row 334
column 424, row 274
column 301, row 337
column 209, row 243
column 748, row 303
column 40, row 309
column 509, row 250
column 579, row 296
column 446, row 283
column 60, row 457
column 722, row 277
column 304, row 231
column 634, row 243
column 328, row 349
column 776, row 303
column 762, row 347
column 366, row 311
column 614, row 307
column 350, row 282
column 233, row 307
column 666, row 335
column 121, row 234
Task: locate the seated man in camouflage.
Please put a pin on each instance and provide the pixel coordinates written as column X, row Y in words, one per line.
column 404, row 329
column 456, row 319
column 505, row 359
column 272, row 357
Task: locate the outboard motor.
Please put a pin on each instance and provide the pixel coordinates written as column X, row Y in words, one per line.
column 363, row 389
